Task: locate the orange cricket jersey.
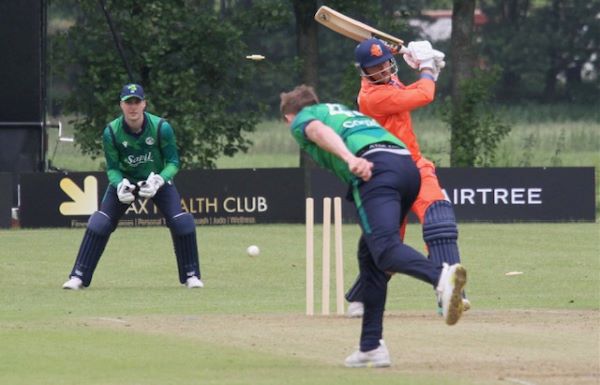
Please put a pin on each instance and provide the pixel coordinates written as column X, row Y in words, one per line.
column 391, row 104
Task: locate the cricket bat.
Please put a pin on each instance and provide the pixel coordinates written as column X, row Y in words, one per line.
column 354, row 29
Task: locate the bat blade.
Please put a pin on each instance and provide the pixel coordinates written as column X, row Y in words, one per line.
column 352, row 28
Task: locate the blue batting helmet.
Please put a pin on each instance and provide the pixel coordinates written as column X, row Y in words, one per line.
column 372, row 52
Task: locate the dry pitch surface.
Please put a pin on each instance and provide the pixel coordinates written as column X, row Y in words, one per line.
column 524, row 347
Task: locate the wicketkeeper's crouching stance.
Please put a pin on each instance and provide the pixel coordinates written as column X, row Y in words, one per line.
column 141, row 159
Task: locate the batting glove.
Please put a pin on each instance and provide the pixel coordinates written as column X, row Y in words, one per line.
column 425, row 56
column 410, row 60
column 125, row 192
column 420, row 50
column 150, row 186
column 421, row 55
column 438, row 57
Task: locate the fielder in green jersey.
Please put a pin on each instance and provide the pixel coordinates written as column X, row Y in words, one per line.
column 153, row 150
column 384, row 183
column 356, row 130
column 141, row 159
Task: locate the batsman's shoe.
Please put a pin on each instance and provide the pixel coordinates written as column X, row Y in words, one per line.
column 466, row 304
column 376, row 358
column 355, row 310
column 74, row 283
column 465, row 301
column 450, row 286
column 194, row 283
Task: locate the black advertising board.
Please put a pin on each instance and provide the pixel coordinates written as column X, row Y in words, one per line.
column 212, row 197
column 246, row 196
column 6, row 199
column 502, row 194
column 521, row 194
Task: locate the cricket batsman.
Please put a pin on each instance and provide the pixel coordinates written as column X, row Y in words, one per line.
column 383, row 182
column 383, row 97
column 141, row 161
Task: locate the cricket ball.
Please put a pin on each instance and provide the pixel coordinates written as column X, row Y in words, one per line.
column 253, row 250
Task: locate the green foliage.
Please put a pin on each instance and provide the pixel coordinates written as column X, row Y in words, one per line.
column 189, row 54
column 476, row 129
column 556, row 161
column 529, row 144
column 542, row 48
column 269, row 29
column 188, row 60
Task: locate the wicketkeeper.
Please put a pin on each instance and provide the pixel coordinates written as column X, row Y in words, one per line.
column 141, row 161
column 383, row 97
column 384, row 183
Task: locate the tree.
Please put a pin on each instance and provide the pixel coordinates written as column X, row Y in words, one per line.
column 307, row 42
column 542, row 48
column 475, row 129
column 189, row 61
column 571, row 29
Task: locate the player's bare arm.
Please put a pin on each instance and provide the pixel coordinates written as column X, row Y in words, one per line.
column 328, row 140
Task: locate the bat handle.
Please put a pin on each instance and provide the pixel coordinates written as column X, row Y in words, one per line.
column 399, row 50
column 396, row 49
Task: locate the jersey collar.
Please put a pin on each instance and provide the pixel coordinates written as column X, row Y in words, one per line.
column 130, row 131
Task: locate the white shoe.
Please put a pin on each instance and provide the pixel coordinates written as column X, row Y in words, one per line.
column 355, row 310
column 74, row 283
column 449, row 288
column 376, row 358
column 194, row 282
column 466, row 306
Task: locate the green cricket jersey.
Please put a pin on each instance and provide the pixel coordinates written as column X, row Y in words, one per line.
column 134, row 156
column 356, row 130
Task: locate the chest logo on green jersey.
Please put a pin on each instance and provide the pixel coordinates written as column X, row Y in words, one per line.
column 136, row 160
column 125, row 143
column 149, row 141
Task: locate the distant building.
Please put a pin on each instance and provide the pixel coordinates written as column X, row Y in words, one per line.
column 436, row 25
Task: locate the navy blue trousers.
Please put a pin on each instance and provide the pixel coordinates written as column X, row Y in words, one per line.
column 382, row 204
column 103, row 222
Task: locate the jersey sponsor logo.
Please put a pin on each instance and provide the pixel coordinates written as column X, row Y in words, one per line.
column 496, row 196
column 149, row 141
column 135, row 161
column 360, row 122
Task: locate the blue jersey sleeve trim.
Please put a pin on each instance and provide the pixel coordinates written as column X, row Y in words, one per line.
column 427, row 76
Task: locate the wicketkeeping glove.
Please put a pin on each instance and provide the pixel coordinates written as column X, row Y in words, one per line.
column 125, row 191
column 150, row 186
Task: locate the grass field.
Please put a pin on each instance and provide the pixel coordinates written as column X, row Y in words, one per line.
column 137, row 325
